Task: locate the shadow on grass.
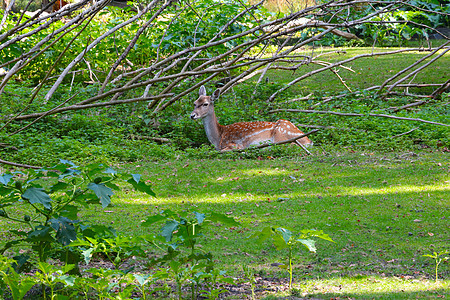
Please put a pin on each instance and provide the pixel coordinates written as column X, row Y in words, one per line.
column 366, row 287
column 335, row 177
column 383, row 213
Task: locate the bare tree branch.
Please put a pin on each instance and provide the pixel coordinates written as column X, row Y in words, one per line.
column 404, row 133
column 292, row 140
column 354, row 115
column 5, row 162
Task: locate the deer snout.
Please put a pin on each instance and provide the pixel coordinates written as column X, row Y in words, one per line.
column 194, row 116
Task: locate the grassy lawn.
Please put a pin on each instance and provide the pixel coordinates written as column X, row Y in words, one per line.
column 368, row 71
column 384, row 211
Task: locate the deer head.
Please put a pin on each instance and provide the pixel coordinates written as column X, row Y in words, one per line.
column 204, row 105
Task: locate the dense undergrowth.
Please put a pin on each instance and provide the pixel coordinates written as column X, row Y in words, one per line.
column 125, row 133
column 131, row 133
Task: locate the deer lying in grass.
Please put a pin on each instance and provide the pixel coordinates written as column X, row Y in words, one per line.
column 243, row 134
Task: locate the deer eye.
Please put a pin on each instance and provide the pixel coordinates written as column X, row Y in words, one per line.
column 206, row 104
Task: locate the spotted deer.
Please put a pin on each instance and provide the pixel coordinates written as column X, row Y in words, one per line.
column 243, row 134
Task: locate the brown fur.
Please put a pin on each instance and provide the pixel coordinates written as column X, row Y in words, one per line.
column 243, row 134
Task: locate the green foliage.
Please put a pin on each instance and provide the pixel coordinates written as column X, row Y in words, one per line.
column 180, row 231
column 51, row 276
column 399, row 26
column 195, row 265
column 438, row 258
column 362, row 195
column 176, row 29
column 17, row 284
column 52, row 199
column 109, row 136
column 116, row 248
column 173, row 33
column 284, row 239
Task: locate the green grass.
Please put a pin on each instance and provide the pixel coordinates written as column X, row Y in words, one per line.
column 384, row 211
column 368, row 287
column 367, row 71
column 87, row 136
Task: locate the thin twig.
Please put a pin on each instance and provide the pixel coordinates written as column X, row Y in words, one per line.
column 43, row 115
column 90, row 105
column 5, row 162
column 404, row 133
column 355, row 115
column 279, row 143
column 418, row 103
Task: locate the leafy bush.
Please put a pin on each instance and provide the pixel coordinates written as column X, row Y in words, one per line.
column 174, row 31
column 119, row 133
column 399, row 26
column 47, row 202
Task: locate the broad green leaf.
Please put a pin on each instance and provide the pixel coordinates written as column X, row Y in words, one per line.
column 103, row 193
column 113, row 186
column 309, row 244
column 174, row 265
column 153, row 219
column 68, row 173
column 37, row 195
column 68, row 162
column 6, row 190
column 279, row 241
column 59, row 186
column 52, row 174
column 168, row 229
column 40, row 234
column 316, row 233
column 4, row 179
column 70, row 211
column 79, row 242
column 19, row 286
column 285, row 233
column 200, row 217
column 262, row 235
column 141, row 186
column 224, row 219
column 87, row 254
column 141, row 279
column 94, row 168
column 110, row 171
column 46, row 268
column 67, row 279
column 20, row 262
column 93, row 241
column 65, row 230
column 60, row 167
column 136, row 177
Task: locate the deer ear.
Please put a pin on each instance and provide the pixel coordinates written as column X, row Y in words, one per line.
column 215, row 95
column 202, row 91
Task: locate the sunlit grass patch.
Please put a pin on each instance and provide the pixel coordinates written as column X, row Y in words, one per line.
column 374, row 287
column 395, row 189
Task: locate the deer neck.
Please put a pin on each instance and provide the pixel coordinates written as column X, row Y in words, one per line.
column 212, row 129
